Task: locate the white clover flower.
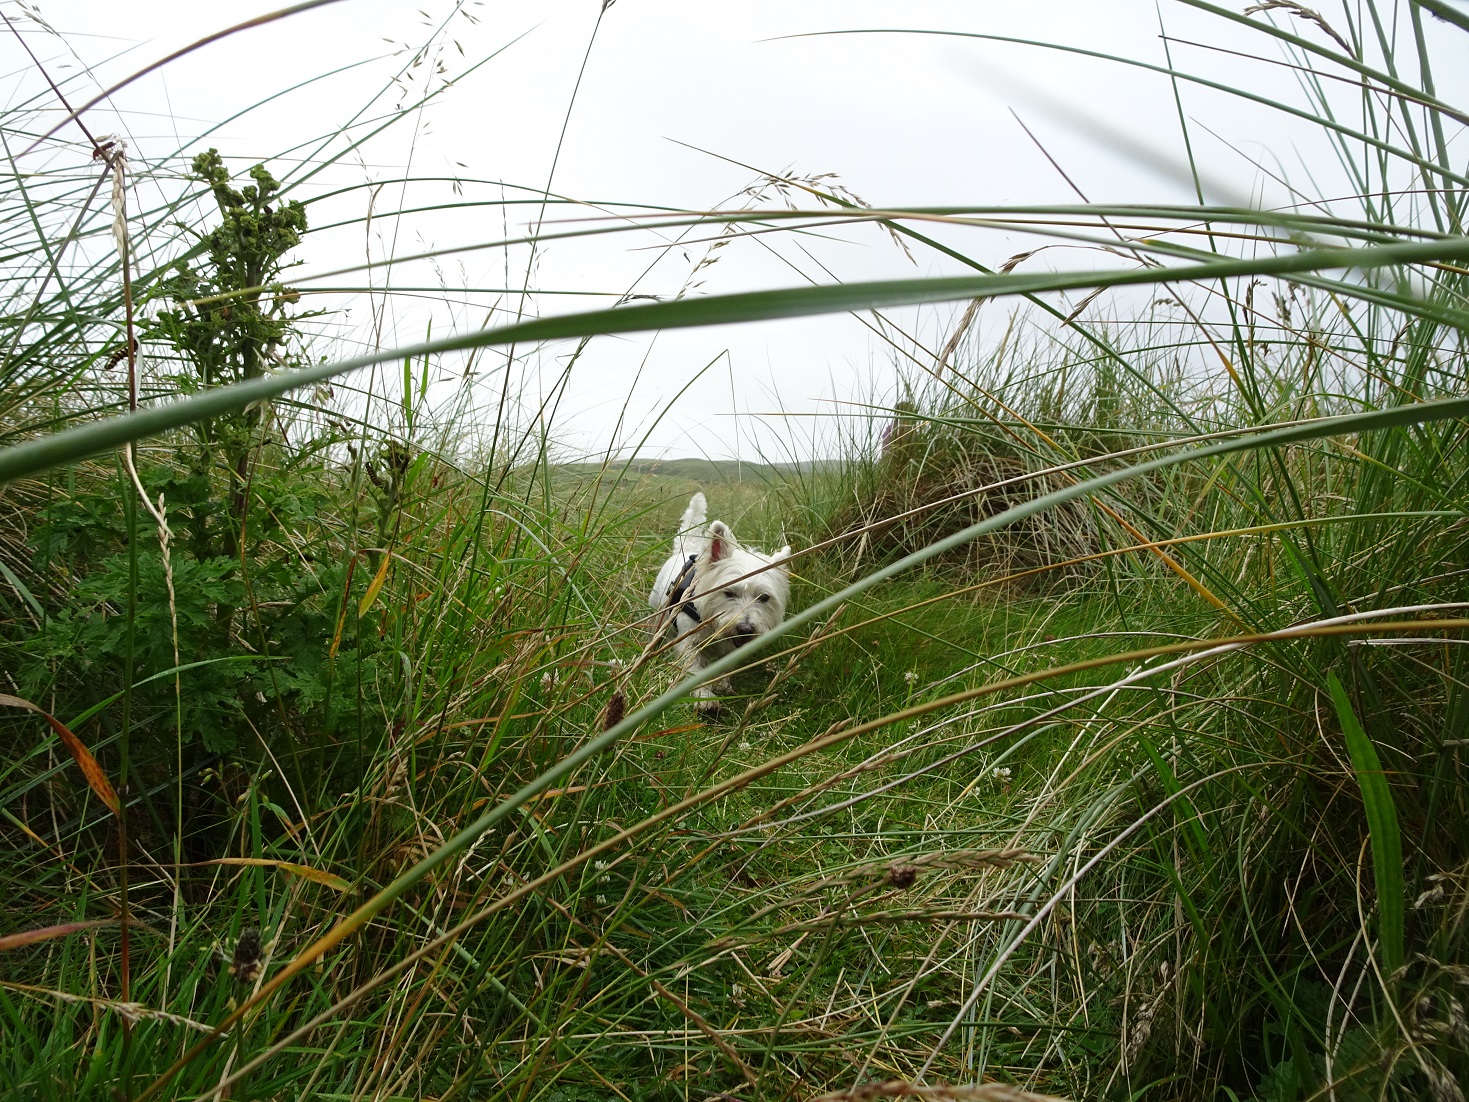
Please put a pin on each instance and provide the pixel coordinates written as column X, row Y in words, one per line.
column 1001, row 773
column 910, row 676
column 744, row 746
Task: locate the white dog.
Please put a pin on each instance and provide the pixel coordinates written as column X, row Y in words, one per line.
column 714, row 595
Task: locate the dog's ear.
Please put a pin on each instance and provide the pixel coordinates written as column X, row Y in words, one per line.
column 782, row 558
column 721, row 541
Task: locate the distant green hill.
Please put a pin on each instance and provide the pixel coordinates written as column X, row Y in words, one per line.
column 700, row 470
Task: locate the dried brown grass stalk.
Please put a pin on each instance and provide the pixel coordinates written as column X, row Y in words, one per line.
column 708, row 1031
column 881, row 917
column 956, row 859
column 899, row 874
column 130, row 1012
column 896, row 1088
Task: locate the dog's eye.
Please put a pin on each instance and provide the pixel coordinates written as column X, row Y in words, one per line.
column 731, row 594
column 764, row 597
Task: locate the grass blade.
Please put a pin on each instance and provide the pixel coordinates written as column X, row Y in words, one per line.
column 46, row 933
column 31, row 457
column 1382, row 825
column 257, row 21
column 306, row 872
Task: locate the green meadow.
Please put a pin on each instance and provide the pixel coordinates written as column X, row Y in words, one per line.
column 1114, row 746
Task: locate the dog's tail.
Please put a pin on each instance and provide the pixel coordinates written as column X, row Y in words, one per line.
column 692, row 522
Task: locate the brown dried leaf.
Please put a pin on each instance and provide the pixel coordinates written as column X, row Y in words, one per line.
column 89, row 767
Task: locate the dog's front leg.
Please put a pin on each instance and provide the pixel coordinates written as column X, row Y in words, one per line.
column 705, row 696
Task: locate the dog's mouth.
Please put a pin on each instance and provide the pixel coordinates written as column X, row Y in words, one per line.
column 740, row 638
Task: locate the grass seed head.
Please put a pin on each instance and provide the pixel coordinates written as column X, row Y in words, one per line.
column 247, row 961
column 901, row 875
column 616, row 709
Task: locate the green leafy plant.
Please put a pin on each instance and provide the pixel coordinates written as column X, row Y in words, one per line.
column 232, row 320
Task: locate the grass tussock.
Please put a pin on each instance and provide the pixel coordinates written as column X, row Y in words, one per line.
column 1115, row 748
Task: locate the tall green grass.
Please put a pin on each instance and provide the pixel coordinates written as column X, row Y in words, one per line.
column 1113, row 748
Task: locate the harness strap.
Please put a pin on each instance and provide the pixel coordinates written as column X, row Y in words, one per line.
column 679, row 597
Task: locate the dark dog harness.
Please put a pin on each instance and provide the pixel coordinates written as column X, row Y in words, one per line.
column 680, row 596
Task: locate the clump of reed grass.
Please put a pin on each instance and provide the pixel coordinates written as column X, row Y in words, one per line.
column 936, row 473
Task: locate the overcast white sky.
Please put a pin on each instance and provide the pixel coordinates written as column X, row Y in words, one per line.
column 902, row 120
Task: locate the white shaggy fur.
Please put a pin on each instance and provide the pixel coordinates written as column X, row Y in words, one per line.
column 732, row 608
